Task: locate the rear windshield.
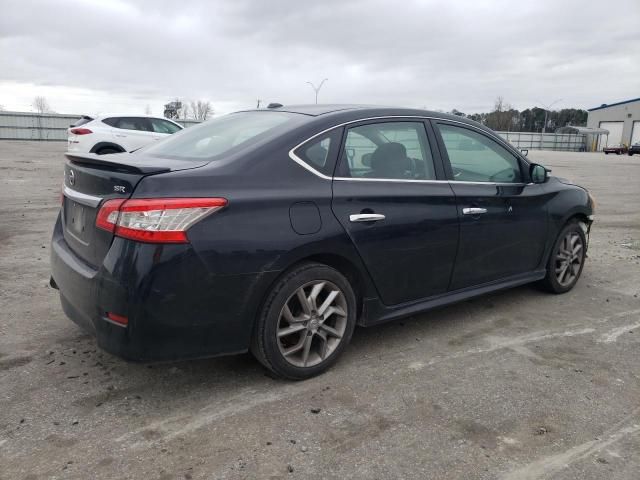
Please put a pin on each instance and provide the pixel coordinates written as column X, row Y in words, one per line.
column 82, row 121
column 223, row 135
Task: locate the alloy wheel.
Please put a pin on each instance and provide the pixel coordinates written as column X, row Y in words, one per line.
column 312, row 323
column 569, row 257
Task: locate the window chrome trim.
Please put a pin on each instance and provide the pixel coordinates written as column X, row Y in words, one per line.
column 83, row 198
column 305, row 165
column 408, row 180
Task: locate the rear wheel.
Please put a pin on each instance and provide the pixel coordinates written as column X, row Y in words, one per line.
column 566, row 260
column 306, row 322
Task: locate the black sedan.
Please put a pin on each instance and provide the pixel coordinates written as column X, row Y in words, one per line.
column 280, row 230
column 633, row 149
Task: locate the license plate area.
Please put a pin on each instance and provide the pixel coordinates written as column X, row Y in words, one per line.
column 76, row 216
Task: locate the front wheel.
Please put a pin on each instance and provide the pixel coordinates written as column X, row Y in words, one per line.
column 566, row 260
column 306, row 322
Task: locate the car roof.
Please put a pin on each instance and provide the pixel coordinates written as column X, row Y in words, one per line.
column 356, row 110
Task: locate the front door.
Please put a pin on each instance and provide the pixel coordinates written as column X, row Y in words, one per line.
column 392, row 200
column 503, row 219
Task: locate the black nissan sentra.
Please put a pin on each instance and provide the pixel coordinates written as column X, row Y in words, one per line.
column 278, row 230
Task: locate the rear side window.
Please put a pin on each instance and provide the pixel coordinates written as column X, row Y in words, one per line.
column 318, row 152
column 225, row 134
column 475, row 157
column 389, row 150
column 129, row 123
column 163, row 126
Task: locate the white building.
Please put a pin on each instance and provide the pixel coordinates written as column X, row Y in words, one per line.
column 621, row 119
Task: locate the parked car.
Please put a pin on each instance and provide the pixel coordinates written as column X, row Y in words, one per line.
column 618, row 149
column 635, row 148
column 117, row 133
column 279, row 230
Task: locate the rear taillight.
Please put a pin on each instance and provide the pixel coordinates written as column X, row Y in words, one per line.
column 80, row 131
column 155, row 220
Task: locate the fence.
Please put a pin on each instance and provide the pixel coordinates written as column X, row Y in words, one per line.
column 572, row 142
column 46, row 126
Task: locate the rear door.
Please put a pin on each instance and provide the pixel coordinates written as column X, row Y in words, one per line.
column 503, row 218
column 391, row 198
column 133, row 132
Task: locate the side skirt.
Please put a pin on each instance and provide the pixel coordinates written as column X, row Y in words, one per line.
column 375, row 312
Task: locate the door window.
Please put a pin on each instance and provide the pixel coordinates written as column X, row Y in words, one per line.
column 477, row 158
column 133, row 123
column 163, row 126
column 390, row 150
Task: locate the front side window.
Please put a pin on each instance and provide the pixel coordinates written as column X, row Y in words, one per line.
column 163, row 126
column 477, row 158
column 389, row 150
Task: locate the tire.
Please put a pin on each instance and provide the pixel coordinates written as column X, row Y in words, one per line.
column 316, row 338
column 107, row 151
column 555, row 281
column 606, row 153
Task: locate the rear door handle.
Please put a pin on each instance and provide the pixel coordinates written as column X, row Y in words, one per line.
column 473, row 211
column 366, row 217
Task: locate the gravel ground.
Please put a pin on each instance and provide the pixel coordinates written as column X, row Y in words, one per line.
column 516, row 385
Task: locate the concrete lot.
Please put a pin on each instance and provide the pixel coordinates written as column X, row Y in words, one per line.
column 516, row 385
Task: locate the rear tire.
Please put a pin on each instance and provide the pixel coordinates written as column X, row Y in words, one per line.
column 306, row 322
column 566, row 260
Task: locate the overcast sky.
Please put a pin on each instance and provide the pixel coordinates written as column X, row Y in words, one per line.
column 110, row 55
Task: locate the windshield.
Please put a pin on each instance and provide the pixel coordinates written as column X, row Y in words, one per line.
column 221, row 135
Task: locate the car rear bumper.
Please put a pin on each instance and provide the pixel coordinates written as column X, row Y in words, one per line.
column 176, row 308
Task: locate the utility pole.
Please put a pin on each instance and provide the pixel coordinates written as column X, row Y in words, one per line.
column 547, row 108
column 317, row 89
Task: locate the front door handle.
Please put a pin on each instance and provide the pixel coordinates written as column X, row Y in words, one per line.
column 366, row 217
column 473, row 211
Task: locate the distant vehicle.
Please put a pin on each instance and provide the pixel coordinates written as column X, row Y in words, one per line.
column 278, row 230
column 618, row 149
column 635, row 148
column 117, row 133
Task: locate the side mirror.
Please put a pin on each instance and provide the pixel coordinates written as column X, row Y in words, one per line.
column 538, row 173
column 525, row 151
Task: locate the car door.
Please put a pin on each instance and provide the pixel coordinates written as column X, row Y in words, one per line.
column 503, row 218
column 396, row 206
column 133, row 132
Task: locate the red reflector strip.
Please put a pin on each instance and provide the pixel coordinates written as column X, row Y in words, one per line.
column 118, row 318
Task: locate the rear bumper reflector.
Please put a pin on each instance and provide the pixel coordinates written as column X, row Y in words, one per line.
column 118, row 319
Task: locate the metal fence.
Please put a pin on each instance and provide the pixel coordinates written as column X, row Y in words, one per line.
column 571, row 142
column 46, row 126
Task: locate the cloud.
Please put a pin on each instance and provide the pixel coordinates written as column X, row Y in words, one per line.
column 92, row 56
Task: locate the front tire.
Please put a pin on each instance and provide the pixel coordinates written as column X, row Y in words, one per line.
column 566, row 261
column 306, row 322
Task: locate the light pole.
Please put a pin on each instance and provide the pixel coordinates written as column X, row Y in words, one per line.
column 317, row 89
column 546, row 112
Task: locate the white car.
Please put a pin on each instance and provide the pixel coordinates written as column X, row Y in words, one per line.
column 117, row 133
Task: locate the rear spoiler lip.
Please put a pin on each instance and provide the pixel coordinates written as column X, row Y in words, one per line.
column 134, row 164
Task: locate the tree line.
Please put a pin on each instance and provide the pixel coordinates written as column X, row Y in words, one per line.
column 504, row 118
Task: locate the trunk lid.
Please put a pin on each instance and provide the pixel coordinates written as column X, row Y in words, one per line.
column 89, row 180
